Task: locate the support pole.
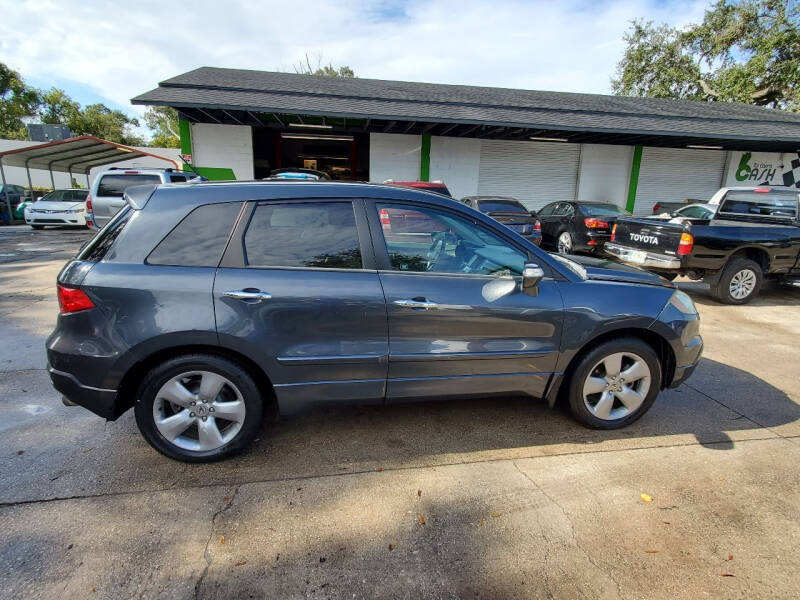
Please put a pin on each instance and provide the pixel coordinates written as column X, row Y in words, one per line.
column 70, row 176
column 5, row 192
column 30, row 182
column 88, row 184
column 52, row 179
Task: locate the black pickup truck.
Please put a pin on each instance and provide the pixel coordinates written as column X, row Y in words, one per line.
column 754, row 233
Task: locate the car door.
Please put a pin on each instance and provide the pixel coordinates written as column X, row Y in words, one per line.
column 459, row 323
column 298, row 292
column 547, row 218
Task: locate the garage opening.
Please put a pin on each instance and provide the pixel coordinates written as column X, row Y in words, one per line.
column 342, row 156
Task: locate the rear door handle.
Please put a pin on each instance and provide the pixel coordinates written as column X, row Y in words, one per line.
column 411, row 303
column 248, row 294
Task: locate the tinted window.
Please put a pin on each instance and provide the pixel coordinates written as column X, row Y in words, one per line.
column 775, row 203
column 695, row 212
column 601, row 210
column 199, row 239
column 115, row 185
column 548, row 210
column 177, row 178
column 502, row 205
column 303, row 234
column 564, row 209
column 431, row 240
column 104, row 240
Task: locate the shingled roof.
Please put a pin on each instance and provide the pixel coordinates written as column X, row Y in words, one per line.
column 236, row 95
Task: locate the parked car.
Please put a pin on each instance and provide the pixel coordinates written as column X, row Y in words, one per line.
column 10, row 195
column 660, row 208
column 694, row 211
column 203, row 306
column 510, row 212
column 109, row 186
column 754, row 233
column 570, row 227
column 431, row 186
column 59, row 207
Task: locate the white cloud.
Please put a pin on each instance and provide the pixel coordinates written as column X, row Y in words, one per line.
column 122, row 50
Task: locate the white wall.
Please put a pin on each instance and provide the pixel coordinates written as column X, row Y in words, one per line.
column 456, row 161
column 228, row 146
column 394, row 156
column 604, row 173
column 41, row 177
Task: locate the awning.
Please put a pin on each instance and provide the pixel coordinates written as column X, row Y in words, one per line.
column 73, row 155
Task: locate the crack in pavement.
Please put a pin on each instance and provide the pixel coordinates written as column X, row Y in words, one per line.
column 206, row 553
column 370, row 470
column 571, row 527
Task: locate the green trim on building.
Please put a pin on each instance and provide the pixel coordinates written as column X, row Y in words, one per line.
column 425, row 158
column 634, row 181
column 185, row 132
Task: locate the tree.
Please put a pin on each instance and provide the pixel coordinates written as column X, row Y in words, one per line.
column 305, row 67
column 18, row 101
column 743, row 51
column 163, row 120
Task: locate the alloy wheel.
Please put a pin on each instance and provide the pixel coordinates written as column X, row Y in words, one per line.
column 742, row 284
column 199, row 411
column 617, row 386
column 565, row 243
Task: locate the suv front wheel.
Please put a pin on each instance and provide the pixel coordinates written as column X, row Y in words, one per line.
column 198, row 408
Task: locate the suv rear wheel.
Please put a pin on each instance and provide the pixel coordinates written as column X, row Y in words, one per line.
column 615, row 384
column 739, row 282
column 198, row 408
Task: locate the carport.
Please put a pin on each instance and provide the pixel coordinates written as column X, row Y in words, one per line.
column 76, row 155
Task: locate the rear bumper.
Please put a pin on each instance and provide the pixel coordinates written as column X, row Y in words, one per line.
column 642, row 258
column 101, row 402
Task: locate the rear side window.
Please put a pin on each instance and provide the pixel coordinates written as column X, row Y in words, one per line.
column 177, row 178
column 307, row 234
column 99, row 246
column 115, row 185
column 775, row 203
column 199, row 239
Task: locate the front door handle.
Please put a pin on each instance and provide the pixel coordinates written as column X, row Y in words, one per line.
column 411, row 303
column 248, row 294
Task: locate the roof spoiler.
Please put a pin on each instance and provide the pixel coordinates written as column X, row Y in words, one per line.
column 137, row 195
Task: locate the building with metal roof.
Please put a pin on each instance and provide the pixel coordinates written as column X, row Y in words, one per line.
column 538, row 146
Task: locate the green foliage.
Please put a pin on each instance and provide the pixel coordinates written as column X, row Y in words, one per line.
column 306, row 67
column 163, row 121
column 17, row 102
column 744, row 51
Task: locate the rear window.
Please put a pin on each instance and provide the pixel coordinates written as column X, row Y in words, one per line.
column 601, row 210
column 178, row 178
column 115, row 185
column 99, row 246
column 501, row 206
column 199, row 239
column 775, row 203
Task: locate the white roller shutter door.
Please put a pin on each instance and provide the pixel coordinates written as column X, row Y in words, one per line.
column 535, row 173
column 675, row 174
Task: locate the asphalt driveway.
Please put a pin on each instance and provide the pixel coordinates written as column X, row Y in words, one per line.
column 485, row 499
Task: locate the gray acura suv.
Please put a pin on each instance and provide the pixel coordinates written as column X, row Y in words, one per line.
column 204, row 307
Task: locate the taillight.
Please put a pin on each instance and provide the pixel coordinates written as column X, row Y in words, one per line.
column 614, row 232
column 384, row 216
column 538, row 225
column 593, row 223
column 656, row 208
column 72, row 300
column 88, row 204
column 686, row 244
column 762, row 190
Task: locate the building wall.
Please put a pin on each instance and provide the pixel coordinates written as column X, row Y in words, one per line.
column 228, row 146
column 41, row 177
column 604, row 173
column 755, row 168
column 456, row 161
column 394, row 156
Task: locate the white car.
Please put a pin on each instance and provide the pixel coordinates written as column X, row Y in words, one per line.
column 59, row 207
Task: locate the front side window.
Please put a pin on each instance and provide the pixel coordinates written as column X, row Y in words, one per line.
column 199, row 239
column 303, row 234
column 423, row 239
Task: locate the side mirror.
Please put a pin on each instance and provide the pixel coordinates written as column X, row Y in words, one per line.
column 532, row 274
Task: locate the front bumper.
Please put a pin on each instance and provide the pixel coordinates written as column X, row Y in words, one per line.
column 62, row 218
column 101, row 402
column 642, row 258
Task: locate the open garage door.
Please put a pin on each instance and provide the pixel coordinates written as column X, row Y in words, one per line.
column 535, row 173
column 676, row 175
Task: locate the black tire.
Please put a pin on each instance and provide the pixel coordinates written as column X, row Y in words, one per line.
column 582, row 369
column 37, row 227
column 721, row 288
column 174, row 367
column 667, row 275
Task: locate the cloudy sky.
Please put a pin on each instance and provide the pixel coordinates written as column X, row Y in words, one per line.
column 111, row 51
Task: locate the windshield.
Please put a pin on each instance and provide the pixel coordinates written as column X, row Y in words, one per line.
column 64, row 196
column 601, row 210
column 115, row 185
column 501, row 206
